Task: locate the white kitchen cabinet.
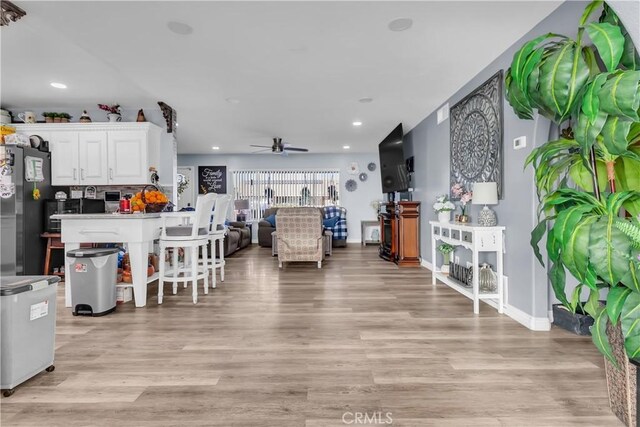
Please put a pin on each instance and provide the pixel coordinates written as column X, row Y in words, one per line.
column 99, row 153
column 64, row 158
column 128, row 158
column 92, row 149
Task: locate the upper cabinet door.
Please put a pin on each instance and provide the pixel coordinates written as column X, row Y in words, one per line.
column 64, row 158
column 93, row 158
column 127, row 152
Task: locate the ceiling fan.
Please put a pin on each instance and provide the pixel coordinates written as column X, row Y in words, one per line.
column 279, row 148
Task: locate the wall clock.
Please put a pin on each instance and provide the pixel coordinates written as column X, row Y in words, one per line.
column 351, row 185
column 371, row 166
column 363, row 176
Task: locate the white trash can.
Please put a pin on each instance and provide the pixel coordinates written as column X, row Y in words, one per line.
column 93, row 280
column 28, row 328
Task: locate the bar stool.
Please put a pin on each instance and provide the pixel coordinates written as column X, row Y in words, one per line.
column 217, row 232
column 193, row 234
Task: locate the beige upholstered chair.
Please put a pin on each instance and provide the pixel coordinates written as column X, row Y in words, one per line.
column 299, row 235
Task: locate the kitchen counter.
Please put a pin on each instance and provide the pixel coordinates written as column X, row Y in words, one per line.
column 136, row 231
column 101, row 216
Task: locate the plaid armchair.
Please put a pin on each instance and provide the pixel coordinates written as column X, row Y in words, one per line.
column 299, row 235
column 340, row 229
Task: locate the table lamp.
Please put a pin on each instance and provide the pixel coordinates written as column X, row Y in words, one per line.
column 485, row 193
column 241, row 205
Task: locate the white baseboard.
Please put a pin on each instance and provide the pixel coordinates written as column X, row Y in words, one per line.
column 528, row 321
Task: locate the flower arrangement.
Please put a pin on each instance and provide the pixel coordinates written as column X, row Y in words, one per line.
column 443, row 204
column 465, row 196
column 376, row 205
column 112, row 109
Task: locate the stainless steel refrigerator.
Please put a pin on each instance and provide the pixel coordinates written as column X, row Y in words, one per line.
column 22, row 217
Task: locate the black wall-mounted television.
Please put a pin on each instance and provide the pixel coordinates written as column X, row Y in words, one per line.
column 393, row 169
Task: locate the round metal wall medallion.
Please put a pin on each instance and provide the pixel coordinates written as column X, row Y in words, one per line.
column 351, row 185
column 362, row 176
column 371, row 166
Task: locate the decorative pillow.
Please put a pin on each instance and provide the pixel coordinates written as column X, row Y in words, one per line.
column 330, row 222
column 271, row 219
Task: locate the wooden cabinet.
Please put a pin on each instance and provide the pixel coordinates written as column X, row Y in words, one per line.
column 99, row 153
column 64, row 157
column 128, row 158
column 400, row 231
column 92, row 158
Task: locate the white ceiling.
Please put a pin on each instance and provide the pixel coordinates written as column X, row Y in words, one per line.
column 297, row 68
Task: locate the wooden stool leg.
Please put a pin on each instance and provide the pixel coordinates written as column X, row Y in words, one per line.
column 47, row 258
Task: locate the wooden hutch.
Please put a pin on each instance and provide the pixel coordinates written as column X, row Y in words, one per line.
column 400, row 233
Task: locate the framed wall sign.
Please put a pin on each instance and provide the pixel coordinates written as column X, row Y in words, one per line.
column 212, row 179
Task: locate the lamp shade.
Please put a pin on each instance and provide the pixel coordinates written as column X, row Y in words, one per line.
column 485, row 193
column 241, row 204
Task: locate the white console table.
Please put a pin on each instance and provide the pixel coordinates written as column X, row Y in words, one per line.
column 477, row 239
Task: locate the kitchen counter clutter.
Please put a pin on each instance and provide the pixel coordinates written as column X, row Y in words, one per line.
column 136, row 231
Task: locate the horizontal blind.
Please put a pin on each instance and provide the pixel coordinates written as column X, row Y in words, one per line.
column 278, row 188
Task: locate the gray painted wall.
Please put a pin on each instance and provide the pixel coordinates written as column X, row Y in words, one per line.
column 357, row 203
column 528, row 287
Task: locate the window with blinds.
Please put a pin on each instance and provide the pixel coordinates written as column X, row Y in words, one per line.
column 264, row 189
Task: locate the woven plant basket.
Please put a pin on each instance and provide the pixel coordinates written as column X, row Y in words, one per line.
column 621, row 383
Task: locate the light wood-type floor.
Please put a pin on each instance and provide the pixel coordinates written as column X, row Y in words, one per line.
column 302, row 347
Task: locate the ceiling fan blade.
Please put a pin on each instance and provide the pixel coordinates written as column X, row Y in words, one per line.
column 266, row 150
column 302, row 150
column 260, row 146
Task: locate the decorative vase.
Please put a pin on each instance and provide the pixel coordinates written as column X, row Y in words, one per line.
column 444, row 269
column 64, row 120
column 487, row 217
column 114, row 117
column 444, row 216
column 464, row 218
column 84, row 118
column 57, row 120
column 48, row 119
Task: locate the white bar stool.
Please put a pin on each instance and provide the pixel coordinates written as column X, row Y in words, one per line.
column 217, row 233
column 193, row 234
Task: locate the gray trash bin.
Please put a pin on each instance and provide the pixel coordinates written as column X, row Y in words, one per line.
column 93, row 275
column 28, row 328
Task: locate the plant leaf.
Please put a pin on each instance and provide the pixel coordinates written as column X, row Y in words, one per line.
column 615, row 300
column 589, row 10
column 516, row 98
column 592, row 307
column 630, row 58
column 614, row 135
column 587, row 132
column 575, row 297
column 575, row 253
column 558, row 277
column 562, row 76
column 632, row 279
column 609, row 41
column 591, row 101
column 630, row 317
column 599, row 335
column 607, row 244
column 536, row 235
column 620, row 95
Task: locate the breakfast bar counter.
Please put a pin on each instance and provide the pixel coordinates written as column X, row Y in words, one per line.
column 136, row 231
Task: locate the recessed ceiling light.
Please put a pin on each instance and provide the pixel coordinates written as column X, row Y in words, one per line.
column 365, row 100
column 233, row 100
column 400, row 24
column 180, row 28
column 357, row 123
column 215, row 147
column 345, row 147
column 58, row 85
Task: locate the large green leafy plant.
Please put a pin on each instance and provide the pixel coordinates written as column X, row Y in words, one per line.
column 589, row 178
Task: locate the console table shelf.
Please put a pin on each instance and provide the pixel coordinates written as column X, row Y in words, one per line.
column 477, row 239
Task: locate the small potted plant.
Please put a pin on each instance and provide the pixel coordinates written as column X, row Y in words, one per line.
column 445, row 249
column 113, row 112
column 48, row 117
column 56, row 118
column 443, row 207
column 465, row 197
column 64, row 117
